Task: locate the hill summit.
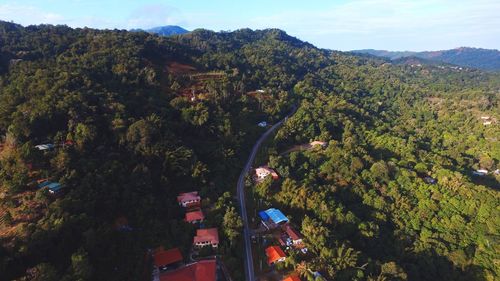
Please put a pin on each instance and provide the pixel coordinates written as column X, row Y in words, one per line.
column 166, row 30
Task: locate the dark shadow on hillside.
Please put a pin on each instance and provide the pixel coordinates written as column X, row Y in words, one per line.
column 387, row 247
column 488, row 181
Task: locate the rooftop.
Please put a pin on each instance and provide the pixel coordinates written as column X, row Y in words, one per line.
column 44, row 146
column 54, row 186
column 274, row 214
column 293, row 277
column 43, row 184
column 163, row 258
column 207, row 234
column 204, row 270
column 194, row 216
column 294, row 234
column 274, row 253
column 322, row 143
column 188, row 196
column 263, row 169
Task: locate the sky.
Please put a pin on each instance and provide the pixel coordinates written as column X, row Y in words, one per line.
column 415, row 25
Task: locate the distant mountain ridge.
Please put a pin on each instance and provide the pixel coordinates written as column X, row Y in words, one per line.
column 486, row 59
column 166, row 30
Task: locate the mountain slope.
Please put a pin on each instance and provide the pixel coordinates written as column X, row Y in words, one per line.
column 469, row 57
column 166, row 30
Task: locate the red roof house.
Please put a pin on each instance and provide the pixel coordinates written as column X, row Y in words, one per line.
column 204, row 270
column 205, row 237
column 274, row 254
column 189, row 199
column 292, row 277
column 162, row 258
column 293, row 234
column 194, row 216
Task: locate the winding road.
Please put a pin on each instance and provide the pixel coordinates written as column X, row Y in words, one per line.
column 249, row 271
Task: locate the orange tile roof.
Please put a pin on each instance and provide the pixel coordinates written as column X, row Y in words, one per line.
column 274, row 253
column 188, row 196
column 194, row 216
column 208, row 234
column 163, row 258
column 204, row 270
column 293, row 277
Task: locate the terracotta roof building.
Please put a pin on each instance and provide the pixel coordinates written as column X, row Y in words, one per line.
column 292, row 277
column 194, row 216
column 162, row 258
column 204, row 270
column 189, row 199
column 274, row 254
column 206, row 237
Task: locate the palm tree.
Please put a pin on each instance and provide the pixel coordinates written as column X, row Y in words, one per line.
column 302, row 269
column 381, row 277
column 344, row 257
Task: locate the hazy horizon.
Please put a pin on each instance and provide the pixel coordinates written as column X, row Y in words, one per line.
column 391, row 25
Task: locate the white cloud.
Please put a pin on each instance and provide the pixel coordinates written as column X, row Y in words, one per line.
column 405, row 19
column 154, row 15
column 27, row 15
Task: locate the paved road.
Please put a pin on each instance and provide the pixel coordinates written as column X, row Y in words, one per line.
column 249, row 271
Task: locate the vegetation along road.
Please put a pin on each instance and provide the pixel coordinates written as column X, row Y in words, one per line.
column 249, row 272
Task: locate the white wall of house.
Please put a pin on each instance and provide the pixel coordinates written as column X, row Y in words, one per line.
column 185, row 203
column 262, row 173
column 206, row 243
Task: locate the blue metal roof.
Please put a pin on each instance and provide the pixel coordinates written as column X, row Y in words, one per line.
column 43, row 184
column 54, row 186
column 276, row 215
column 263, row 215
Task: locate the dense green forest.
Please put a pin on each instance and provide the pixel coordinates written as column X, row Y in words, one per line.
column 149, row 117
column 393, row 196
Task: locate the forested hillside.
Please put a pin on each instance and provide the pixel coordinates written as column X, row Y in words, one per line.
column 144, row 117
column 485, row 59
column 393, row 196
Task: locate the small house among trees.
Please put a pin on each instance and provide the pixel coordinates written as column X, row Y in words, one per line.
column 53, row 187
column 206, row 237
column 320, row 143
column 274, row 255
column 294, row 235
column 272, row 217
column 189, row 199
column 262, row 172
column 163, row 259
column 43, row 147
column 194, row 216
